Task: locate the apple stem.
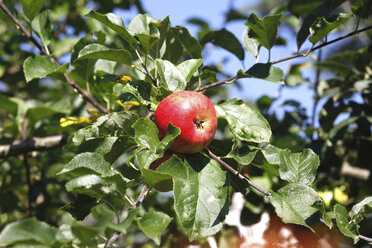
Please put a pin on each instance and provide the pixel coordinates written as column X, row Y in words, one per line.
column 235, row 172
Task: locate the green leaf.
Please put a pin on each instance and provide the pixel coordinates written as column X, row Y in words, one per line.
column 38, row 66
column 362, row 8
column 298, row 167
column 294, row 77
column 191, row 45
column 64, row 234
column 294, row 203
column 303, row 7
column 110, row 190
column 84, row 233
column 321, row 27
column 252, row 46
column 268, row 159
column 142, row 26
column 43, row 27
column 265, row 30
column 8, row 104
column 171, row 77
column 97, row 51
column 225, row 39
column 200, row 194
column 27, row 230
column 245, row 123
column 114, row 22
column 32, row 7
column 140, row 89
column 86, row 162
column 242, row 153
column 265, row 72
column 147, row 137
column 153, row 224
column 122, row 227
column 189, row 67
column 349, row 229
column 116, row 124
column 361, row 209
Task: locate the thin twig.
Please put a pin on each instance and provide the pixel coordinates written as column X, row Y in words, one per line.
column 142, row 196
column 368, row 239
column 85, row 95
column 235, row 172
column 301, row 54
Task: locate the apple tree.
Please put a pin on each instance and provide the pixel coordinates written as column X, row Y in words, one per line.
column 81, row 160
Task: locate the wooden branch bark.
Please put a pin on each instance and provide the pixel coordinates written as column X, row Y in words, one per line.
column 34, row 144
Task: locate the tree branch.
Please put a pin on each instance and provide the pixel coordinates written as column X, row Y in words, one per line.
column 235, row 172
column 301, row 54
column 34, row 144
column 84, row 94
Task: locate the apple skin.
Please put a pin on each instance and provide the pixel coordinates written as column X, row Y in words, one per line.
column 194, row 114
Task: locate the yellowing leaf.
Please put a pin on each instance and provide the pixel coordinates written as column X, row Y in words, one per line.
column 123, row 79
column 326, row 196
column 64, row 122
column 128, row 105
column 94, row 114
column 340, row 196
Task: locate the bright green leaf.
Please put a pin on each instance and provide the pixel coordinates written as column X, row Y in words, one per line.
column 153, row 224
column 171, row 77
column 43, row 27
column 252, row 46
column 83, row 232
column 298, row 167
column 97, row 51
column 265, row 30
column 245, row 123
column 200, row 194
column 321, row 27
column 349, row 229
column 294, row 203
column 38, row 66
column 225, row 39
column 189, row 67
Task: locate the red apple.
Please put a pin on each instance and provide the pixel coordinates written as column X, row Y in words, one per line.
column 194, row 114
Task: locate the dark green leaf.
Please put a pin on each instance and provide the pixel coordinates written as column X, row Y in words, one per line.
column 303, row 7
column 171, row 77
column 294, row 203
column 321, row 27
column 8, row 104
column 226, row 40
column 242, row 153
column 362, row 8
column 32, row 7
column 265, row 30
column 298, row 167
column 97, row 51
column 191, row 45
column 115, row 23
column 245, row 123
column 29, row 229
column 43, row 27
column 38, row 66
column 265, row 72
column 122, row 227
column 153, row 224
column 349, row 229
